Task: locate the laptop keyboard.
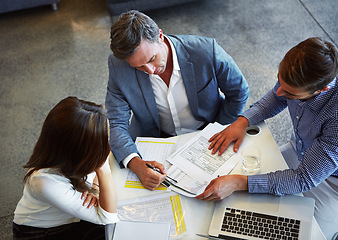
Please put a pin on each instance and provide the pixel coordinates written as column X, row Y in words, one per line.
column 260, row 225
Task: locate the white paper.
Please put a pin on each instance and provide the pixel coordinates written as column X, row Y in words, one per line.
column 196, row 160
column 127, row 230
column 152, row 149
column 185, row 181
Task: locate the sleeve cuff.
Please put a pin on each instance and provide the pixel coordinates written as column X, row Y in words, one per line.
column 107, row 217
column 258, row 183
column 251, row 115
column 128, row 158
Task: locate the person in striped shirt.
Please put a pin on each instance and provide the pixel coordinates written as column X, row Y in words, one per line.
column 307, row 85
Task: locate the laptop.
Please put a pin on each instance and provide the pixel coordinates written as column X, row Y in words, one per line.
column 262, row 216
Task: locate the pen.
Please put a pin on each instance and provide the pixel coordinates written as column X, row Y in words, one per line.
column 167, row 182
column 156, row 170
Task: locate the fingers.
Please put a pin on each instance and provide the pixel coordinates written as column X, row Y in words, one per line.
column 207, row 192
column 158, row 166
column 220, row 141
column 206, row 196
column 89, row 200
column 238, row 144
column 220, row 144
column 209, row 195
column 214, row 136
column 224, row 146
column 216, row 190
column 150, row 178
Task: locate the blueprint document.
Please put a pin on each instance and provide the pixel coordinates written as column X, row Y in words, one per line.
column 193, row 165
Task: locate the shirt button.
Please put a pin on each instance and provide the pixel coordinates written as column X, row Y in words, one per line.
column 302, row 153
column 300, row 141
column 297, row 117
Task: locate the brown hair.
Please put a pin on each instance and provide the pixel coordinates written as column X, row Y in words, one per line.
column 311, row 65
column 129, row 30
column 73, row 140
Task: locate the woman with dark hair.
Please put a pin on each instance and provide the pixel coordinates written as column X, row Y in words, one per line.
column 69, row 191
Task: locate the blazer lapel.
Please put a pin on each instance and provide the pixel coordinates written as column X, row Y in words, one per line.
column 148, row 95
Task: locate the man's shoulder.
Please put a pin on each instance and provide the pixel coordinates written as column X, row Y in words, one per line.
column 112, row 60
column 196, row 47
column 191, row 39
column 119, row 68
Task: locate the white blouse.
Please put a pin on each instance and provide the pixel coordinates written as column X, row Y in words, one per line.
column 49, row 200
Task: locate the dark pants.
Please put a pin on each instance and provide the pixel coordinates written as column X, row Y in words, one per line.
column 81, row 230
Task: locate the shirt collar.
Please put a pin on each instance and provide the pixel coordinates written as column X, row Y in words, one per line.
column 176, row 66
column 318, row 102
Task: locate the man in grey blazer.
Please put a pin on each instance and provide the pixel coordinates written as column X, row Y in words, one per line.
column 168, row 84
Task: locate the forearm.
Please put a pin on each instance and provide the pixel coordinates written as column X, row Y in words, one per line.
column 267, row 107
column 107, row 196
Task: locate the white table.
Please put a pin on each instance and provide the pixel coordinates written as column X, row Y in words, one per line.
column 198, row 213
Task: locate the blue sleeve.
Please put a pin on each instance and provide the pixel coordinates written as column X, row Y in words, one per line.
column 318, row 163
column 231, row 83
column 267, row 107
column 119, row 112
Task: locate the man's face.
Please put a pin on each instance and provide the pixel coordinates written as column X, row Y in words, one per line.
column 150, row 57
column 293, row 93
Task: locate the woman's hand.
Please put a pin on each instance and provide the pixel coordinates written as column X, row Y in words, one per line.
column 90, row 200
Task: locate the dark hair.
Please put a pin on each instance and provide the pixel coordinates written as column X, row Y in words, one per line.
column 73, row 141
column 312, row 64
column 128, row 32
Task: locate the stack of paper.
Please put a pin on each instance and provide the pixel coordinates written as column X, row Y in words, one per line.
column 191, row 164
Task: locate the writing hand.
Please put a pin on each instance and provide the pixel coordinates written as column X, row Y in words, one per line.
column 149, row 178
column 233, row 133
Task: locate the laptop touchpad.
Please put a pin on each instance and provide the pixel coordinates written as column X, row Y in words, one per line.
column 263, row 201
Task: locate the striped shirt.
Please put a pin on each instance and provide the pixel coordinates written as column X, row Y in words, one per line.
column 315, row 127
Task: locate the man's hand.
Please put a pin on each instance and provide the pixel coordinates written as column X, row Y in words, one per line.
column 148, row 177
column 233, row 133
column 223, row 186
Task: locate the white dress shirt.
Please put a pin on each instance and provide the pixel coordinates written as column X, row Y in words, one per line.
column 172, row 103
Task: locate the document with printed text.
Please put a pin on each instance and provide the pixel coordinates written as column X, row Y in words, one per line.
column 193, row 165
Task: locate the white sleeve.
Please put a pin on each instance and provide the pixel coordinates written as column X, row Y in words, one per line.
column 58, row 192
column 128, row 158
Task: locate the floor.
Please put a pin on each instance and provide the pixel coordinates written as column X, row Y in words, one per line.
column 47, row 55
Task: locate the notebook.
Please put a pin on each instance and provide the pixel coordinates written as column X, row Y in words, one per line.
column 130, row 230
column 262, row 216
